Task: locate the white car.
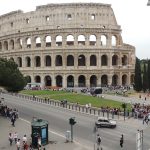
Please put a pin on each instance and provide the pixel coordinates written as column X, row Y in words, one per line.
column 105, row 122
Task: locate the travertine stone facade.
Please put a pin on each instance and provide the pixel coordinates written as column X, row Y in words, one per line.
column 68, row 45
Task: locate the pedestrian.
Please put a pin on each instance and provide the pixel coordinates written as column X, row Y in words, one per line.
column 39, row 142
column 13, row 120
column 24, row 139
column 10, row 138
column 98, row 141
column 15, row 137
column 18, row 144
column 121, row 141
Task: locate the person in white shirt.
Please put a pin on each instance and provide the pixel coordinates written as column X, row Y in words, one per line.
column 18, row 144
column 15, row 137
column 24, row 139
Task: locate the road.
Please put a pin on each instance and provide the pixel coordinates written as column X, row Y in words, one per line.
column 58, row 119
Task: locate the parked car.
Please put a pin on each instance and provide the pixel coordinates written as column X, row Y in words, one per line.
column 105, row 122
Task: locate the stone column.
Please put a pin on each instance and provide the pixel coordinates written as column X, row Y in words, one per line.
column 53, row 80
column 64, row 81
column 76, row 80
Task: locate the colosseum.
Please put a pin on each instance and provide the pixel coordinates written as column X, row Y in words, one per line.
column 68, row 45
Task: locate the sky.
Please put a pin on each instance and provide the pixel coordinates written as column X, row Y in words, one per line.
column 132, row 15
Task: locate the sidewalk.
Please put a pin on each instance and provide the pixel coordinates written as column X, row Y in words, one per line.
column 22, row 127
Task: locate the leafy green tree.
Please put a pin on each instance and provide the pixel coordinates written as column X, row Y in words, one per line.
column 137, row 77
column 10, row 76
column 148, row 74
column 145, row 79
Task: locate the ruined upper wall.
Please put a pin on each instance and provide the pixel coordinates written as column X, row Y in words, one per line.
column 59, row 16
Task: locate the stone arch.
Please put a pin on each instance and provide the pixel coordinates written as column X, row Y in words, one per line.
column 5, row 45
column 70, row 60
column 81, row 40
column 93, row 60
column 132, row 79
column 92, row 40
column 38, row 41
column 70, row 81
column 114, row 40
column 28, row 42
column 81, row 81
column 48, row 41
column 0, row 46
column 114, row 60
column 37, row 79
column 59, row 80
column 58, row 40
column 114, row 80
column 28, row 61
column 11, row 44
column 104, row 60
column 103, row 40
column 93, row 81
column 48, row 80
column 28, row 79
column 37, row 61
column 81, row 60
column 47, row 60
column 124, row 60
column 70, row 40
column 19, row 43
column 58, row 60
column 104, row 80
column 124, row 79
column 19, row 61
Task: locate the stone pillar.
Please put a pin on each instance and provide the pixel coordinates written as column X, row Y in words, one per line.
column 120, row 78
column 109, row 79
column 76, row 80
column 53, row 80
column 109, row 41
column 42, row 81
column 64, row 81
column 24, row 43
column 87, row 81
column 33, row 43
column 99, row 80
column 43, row 43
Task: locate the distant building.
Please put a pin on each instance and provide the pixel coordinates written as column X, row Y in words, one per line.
column 68, row 45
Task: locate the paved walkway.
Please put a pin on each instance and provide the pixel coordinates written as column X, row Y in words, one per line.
column 22, row 127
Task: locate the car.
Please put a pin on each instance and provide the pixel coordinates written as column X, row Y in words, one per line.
column 105, row 122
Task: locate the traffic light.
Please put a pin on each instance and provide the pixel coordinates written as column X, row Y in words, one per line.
column 72, row 121
column 121, row 141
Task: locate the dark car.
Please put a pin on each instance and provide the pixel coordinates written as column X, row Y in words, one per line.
column 105, row 122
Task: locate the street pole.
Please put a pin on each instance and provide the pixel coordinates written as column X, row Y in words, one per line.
column 124, row 113
column 71, row 133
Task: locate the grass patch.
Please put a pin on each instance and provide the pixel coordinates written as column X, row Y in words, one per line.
column 74, row 98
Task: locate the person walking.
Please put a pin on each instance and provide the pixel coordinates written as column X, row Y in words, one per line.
column 18, row 144
column 98, row 141
column 10, row 138
column 15, row 137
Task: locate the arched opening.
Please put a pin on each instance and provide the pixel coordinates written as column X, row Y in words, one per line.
column 5, row 45
column 124, row 60
column 11, row 44
column 0, row 46
column 81, row 60
column 47, row 60
column 81, row 40
column 70, row 60
column 81, row 81
column 93, row 60
column 114, row 41
column 114, row 60
column 70, row 81
column 58, row 60
column 103, row 40
column 19, row 61
column 92, row 40
column 37, row 61
column 28, row 62
column 58, row 40
column 132, row 79
column 104, row 80
column 48, row 81
column 59, row 81
column 124, row 80
column 114, row 80
column 93, row 81
column 38, row 41
column 28, row 42
column 48, row 41
column 70, row 40
column 104, row 60
column 19, row 43
column 28, row 79
column 37, row 79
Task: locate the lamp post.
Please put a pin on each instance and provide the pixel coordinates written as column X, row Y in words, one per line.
column 148, row 3
column 124, row 106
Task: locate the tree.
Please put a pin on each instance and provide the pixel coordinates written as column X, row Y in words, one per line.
column 137, row 77
column 10, row 76
column 145, row 79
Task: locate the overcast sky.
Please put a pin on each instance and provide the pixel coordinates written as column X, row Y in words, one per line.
column 132, row 15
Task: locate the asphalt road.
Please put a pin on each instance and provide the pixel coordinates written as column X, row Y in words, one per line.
column 58, row 119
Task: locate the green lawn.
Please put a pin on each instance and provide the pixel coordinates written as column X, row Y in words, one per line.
column 74, row 98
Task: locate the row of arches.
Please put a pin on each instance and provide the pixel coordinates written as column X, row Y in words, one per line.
column 82, row 81
column 58, row 40
column 70, row 60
